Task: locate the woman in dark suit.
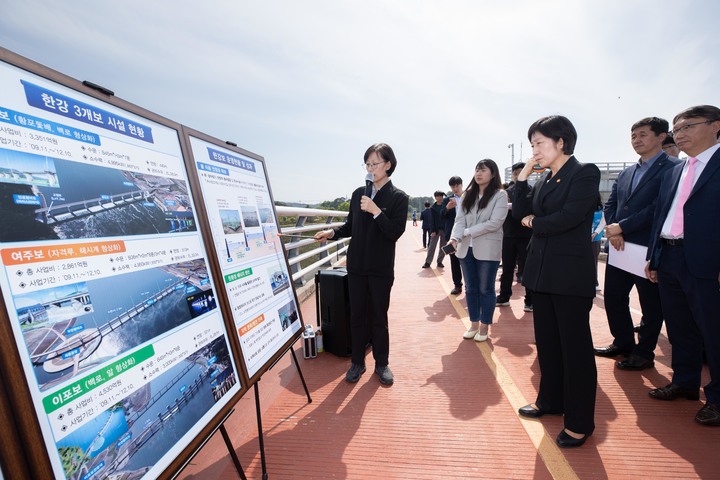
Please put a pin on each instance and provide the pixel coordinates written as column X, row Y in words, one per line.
column 375, row 224
column 560, row 271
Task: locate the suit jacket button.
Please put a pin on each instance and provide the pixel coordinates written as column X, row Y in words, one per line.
column 625, row 208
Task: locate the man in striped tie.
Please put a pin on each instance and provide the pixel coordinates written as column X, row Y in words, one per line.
column 684, row 259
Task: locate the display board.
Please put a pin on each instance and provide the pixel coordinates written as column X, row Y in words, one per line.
column 116, row 341
column 243, row 223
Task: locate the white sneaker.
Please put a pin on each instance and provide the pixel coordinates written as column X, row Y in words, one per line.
column 481, row 337
column 598, row 288
column 470, row 334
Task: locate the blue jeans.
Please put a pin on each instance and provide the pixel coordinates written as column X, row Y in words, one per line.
column 479, row 287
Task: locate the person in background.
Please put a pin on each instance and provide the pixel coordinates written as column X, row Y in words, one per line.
column 449, row 212
column 669, row 147
column 477, row 238
column 374, row 224
column 597, row 234
column 560, row 271
column 629, row 212
column 414, row 219
column 426, row 223
column 684, row 259
column 514, row 248
column 436, row 232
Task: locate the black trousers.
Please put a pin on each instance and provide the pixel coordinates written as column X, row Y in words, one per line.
column 691, row 306
column 618, row 284
column 369, row 296
column 454, row 262
column 514, row 251
column 568, row 377
column 426, row 236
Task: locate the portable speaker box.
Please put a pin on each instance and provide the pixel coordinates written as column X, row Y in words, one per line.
column 333, row 310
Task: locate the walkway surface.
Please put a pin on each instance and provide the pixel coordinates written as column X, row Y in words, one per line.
column 452, row 411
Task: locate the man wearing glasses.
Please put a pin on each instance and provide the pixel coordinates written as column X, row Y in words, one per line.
column 684, row 259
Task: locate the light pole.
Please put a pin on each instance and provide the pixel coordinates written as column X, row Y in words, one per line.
column 512, row 159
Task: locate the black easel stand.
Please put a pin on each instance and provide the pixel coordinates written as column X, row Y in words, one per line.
column 260, row 431
column 231, row 449
column 297, row 365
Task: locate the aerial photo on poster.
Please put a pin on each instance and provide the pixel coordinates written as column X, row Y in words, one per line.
column 73, row 328
column 105, row 282
column 129, row 437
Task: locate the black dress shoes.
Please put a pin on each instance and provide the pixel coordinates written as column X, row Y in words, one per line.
column 611, row 350
column 709, row 415
column 634, row 362
column 456, row 291
column 672, row 391
column 566, row 441
column 532, row 412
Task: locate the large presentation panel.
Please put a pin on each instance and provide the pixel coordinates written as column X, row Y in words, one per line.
column 106, row 285
column 244, row 226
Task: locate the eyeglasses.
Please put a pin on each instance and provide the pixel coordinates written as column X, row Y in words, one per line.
column 371, row 166
column 687, row 127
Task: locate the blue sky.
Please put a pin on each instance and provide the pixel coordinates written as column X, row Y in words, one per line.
column 310, row 85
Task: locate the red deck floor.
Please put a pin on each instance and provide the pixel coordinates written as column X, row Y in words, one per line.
column 452, row 411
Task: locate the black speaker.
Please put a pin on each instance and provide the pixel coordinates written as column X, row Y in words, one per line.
column 332, row 303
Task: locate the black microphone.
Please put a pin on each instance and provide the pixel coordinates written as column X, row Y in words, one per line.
column 369, row 184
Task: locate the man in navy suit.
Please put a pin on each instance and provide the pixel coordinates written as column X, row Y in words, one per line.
column 629, row 213
column 684, row 259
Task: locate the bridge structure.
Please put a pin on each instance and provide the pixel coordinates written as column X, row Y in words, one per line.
column 56, row 214
column 452, row 412
column 57, row 351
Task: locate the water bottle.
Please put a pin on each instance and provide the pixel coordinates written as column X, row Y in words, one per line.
column 309, row 342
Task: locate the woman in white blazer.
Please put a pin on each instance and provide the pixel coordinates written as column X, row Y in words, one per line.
column 477, row 238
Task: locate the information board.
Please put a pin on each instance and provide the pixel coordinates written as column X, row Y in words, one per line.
column 244, row 226
column 105, row 281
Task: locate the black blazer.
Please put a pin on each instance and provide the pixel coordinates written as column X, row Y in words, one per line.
column 448, row 216
column 560, row 258
column 372, row 246
column 634, row 211
column 701, row 219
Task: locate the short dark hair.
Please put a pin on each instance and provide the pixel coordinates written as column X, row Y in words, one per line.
column 455, row 180
column 708, row 112
column 657, row 125
column 385, row 152
column 556, row 127
column 517, row 166
column 427, row 204
column 438, row 193
column 669, row 140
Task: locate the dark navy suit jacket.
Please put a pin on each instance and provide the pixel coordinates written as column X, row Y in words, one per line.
column 701, row 219
column 634, row 210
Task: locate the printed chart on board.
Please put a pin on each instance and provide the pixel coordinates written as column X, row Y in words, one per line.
column 244, row 229
column 106, row 282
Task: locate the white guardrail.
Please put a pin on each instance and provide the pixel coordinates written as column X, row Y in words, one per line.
column 304, row 265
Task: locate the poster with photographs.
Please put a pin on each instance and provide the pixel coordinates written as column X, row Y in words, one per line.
column 105, row 282
column 245, row 235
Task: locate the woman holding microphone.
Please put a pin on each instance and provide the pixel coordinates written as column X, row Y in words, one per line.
column 477, row 236
column 560, row 271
